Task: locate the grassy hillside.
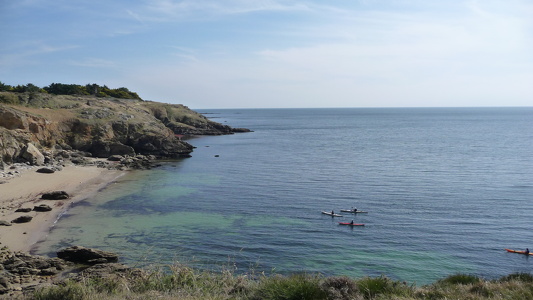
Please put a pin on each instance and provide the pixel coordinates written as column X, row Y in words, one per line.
column 58, row 107
column 182, row 282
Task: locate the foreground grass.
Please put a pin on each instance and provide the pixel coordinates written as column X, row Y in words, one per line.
column 182, row 282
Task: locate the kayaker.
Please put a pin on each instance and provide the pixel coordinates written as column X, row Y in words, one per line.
column 527, row 251
column 332, row 212
column 354, row 209
column 351, row 223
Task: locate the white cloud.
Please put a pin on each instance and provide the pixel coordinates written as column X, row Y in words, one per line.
column 24, row 53
column 412, row 45
column 174, row 10
column 93, row 63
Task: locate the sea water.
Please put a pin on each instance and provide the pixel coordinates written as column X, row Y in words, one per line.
column 446, row 190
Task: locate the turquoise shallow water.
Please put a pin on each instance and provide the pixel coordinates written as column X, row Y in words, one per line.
column 446, row 189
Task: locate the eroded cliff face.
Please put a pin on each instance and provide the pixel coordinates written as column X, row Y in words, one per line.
column 19, row 133
column 102, row 127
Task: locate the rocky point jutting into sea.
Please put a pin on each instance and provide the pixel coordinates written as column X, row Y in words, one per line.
column 42, row 133
column 41, row 129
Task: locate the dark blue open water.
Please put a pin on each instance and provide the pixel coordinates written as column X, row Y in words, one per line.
column 447, row 189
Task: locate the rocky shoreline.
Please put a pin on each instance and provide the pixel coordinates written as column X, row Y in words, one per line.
column 21, row 273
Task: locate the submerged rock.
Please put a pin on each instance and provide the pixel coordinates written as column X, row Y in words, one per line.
column 88, row 256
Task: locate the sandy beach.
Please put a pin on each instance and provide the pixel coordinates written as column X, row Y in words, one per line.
column 24, row 191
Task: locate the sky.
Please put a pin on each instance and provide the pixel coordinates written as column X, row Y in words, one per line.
column 277, row 53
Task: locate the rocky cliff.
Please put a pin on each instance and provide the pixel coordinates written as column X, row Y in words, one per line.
column 35, row 127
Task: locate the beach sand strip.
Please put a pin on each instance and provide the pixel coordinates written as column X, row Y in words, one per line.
column 25, row 190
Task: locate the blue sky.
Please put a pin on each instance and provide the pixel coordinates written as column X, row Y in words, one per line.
column 277, row 53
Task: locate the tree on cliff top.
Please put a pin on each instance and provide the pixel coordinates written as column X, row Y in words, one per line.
column 90, row 89
column 72, row 89
column 5, row 87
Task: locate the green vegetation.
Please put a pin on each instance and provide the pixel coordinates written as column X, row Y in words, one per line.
column 460, row 279
column 174, row 113
column 295, row 287
column 182, row 282
column 72, row 89
column 9, row 98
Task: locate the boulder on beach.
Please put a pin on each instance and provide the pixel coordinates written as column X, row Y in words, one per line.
column 45, row 170
column 33, row 155
column 23, row 209
column 56, row 195
column 88, row 256
column 22, row 219
column 115, row 158
column 5, row 223
column 42, row 207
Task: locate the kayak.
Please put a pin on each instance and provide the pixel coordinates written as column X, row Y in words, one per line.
column 330, row 214
column 350, row 224
column 354, row 212
column 518, row 251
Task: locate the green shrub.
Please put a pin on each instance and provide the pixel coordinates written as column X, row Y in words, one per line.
column 9, row 98
column 521, row 277
column 460, row 279
column 158, row 280
column 430, row 294
column 105, row 285
column 481, row 290
column 68, row 291
column 294, row 287
column 370, row 287
column 339, row 287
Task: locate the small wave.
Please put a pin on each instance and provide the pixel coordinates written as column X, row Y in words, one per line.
column 522, row 186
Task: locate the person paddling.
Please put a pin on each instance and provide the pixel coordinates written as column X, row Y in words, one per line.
column 527, row 251
column 351, row 223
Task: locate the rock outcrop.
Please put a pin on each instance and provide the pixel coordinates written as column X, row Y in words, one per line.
column 46, row 170
column 55, row 195
column 20, row 271
column 181, row 121
column 32, row 155
column 22, row 219
column 82, row 255
column 42, row 208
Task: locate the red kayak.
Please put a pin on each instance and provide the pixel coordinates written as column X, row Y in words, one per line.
column 351, row 224
column 517, row 251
